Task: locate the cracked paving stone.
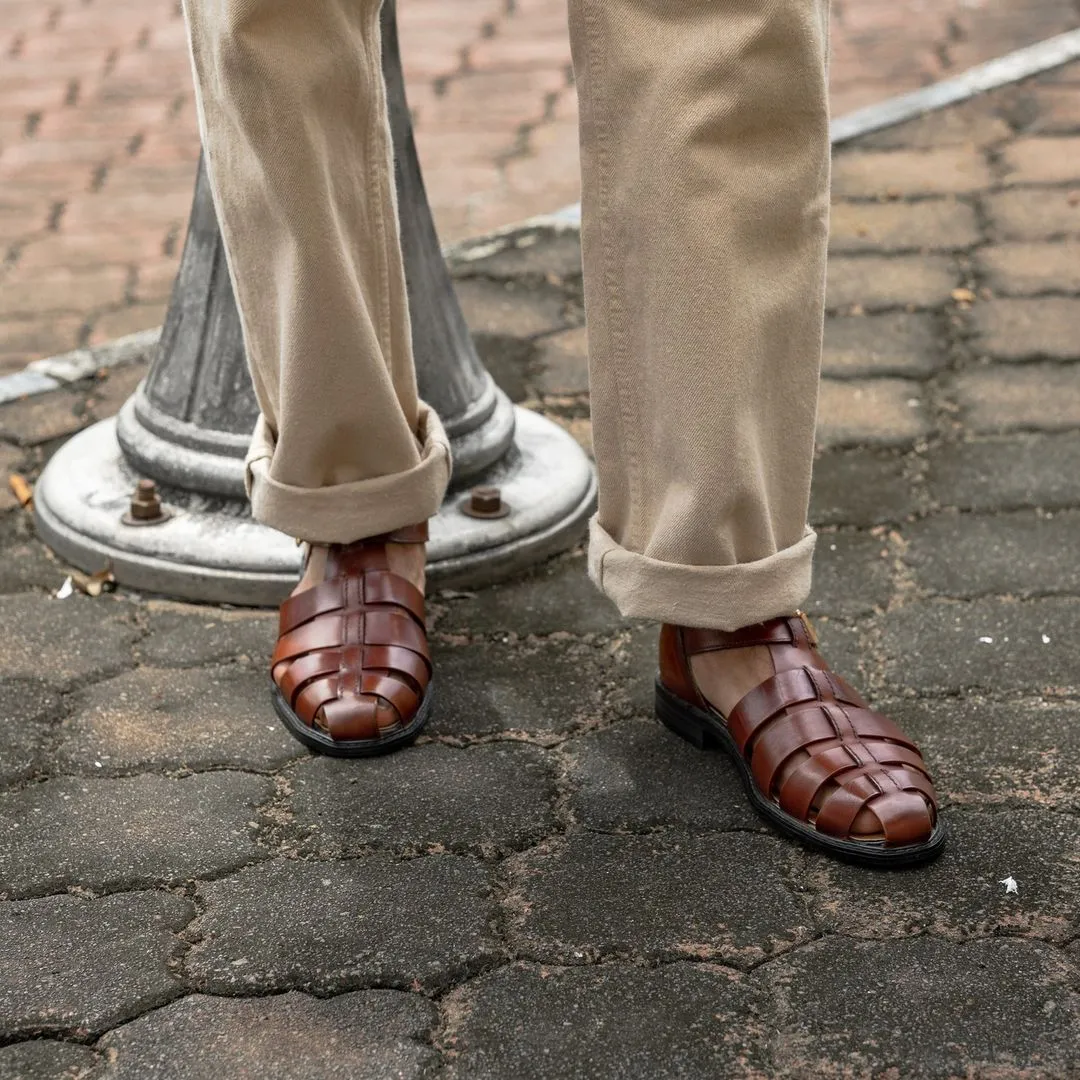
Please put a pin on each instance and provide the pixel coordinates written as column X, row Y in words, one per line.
column 1005, row 474
column 660, row 896
column 46, row 1059
column 614, row 1022
column 637, row 776
column 326, row 927
column 557, row 597
column 137, row 831
column 64, row 641
column 925, row 1009
column 1020, row 554
column 900, row 344
column 960, row 894
column 27, row 709
column 30, row 566
column 87, row 965
column 491, row 797
column 989, row 644
column 189, row 636
column 159, row 719
column 860, row 488
column 371, row 1035
column 539, row 689
column 852, row 575
column 987, row 752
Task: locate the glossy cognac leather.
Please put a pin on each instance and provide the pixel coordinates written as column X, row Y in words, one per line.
column 352, row 654
column 856, row 759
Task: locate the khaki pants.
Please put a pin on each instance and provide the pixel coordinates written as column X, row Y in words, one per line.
column 705, row 162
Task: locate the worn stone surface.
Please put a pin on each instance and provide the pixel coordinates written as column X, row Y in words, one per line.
column 327, row 927
column 960, row 894
column 899, row 344
column 984, row 644
column 64, row 641
column 556, row 597
column 925, row 1008
column 42, row 419
column 45, row 1059
column 150, row 719
column 539, row 689
column 851, row 574
column 637, row 776
column 86, row 965
column 879, row 282
column 129, row 833
column 485, row 798
column 1027, row 269
column 989, row 753
column 660, row 896
column 30, row 566
column 27, row 707
column 1031, row 397
column 617, row 1020
column 871, row 412
column 1004, row 474
column 1019, row 554
column 861, row 488
column 1016, row 215
column 1041, row 328
column 182, row 635
column 926, row 225
column 369, row 1035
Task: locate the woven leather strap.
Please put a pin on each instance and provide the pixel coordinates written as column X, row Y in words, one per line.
column 352, row 653
column 813, row 744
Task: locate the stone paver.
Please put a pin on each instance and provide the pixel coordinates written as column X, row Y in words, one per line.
column 926, row 1009
column 86, row 965
column 116, row 834
column 485, row 799
column 613, row 1021
column 363, row 1036
column 326, row 927
column 550, row 883
column 655, row 897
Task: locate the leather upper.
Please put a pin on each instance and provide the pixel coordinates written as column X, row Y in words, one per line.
column 852, row 759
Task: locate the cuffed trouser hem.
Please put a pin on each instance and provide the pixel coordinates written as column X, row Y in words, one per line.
column 342, row 513
column 710, row 597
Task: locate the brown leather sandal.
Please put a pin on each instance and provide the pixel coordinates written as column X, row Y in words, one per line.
column 351, row 669
column 811, row 753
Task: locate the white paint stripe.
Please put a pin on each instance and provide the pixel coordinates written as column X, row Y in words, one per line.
column 48, row 374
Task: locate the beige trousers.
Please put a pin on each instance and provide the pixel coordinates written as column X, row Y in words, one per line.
column 705, row 171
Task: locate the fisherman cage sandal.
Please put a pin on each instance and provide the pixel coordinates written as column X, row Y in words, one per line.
column 351, row 669
column 812, row 755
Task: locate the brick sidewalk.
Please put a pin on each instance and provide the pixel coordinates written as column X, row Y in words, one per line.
column 98, row 139
column 549, row 884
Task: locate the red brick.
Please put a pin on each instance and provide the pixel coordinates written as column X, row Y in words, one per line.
column 32, row 338
column 878, row 282
column 871, row 412
column 1040, row 328
column 1049, row 160
column 949, row 170
column 1032, row 397
column 61, row 289
column 1024, row 269
column 127, row 320
column 928, row 225
column 1033, row 214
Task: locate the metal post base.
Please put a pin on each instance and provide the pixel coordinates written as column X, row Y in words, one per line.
column 211, row 550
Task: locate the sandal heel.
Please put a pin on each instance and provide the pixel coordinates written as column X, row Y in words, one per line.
column 673, row 715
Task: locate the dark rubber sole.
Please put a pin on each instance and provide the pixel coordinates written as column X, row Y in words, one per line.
column 706, row 730
column 354, row 748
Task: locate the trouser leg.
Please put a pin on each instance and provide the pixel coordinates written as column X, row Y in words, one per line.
column 705, row 162
column 293, row 116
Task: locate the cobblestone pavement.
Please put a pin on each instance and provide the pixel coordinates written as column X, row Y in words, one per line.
column 549, row 884
column 98, row 139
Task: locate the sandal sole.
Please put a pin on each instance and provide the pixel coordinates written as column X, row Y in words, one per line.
column 706, row 731
column 353, row 748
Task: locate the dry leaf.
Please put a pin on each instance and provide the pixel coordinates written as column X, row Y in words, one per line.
column 21, row 489
column 963, row 296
